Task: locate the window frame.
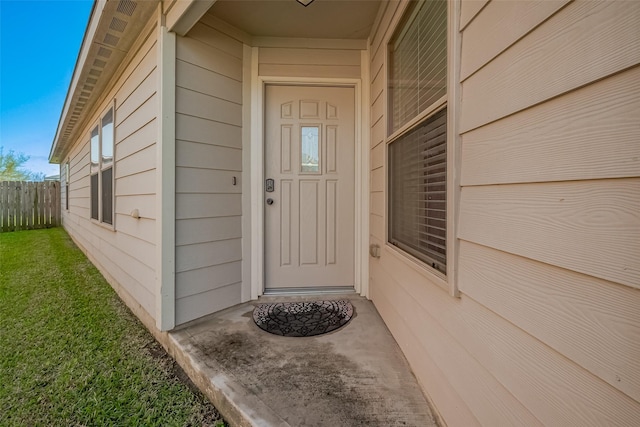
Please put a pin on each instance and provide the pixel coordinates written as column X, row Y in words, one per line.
column 99, row 168
column 448, row 279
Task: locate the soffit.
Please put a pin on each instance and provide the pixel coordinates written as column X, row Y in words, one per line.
column 113, row 28
column 323, row 19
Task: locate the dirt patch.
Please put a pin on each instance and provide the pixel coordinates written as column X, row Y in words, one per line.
column 318, row 386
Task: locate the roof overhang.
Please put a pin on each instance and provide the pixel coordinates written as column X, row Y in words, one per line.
column 113, row 27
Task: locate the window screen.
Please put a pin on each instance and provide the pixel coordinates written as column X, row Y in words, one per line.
column 107, row 196
column 418, row 62
column 417, row 190
column 94, row 196
column 418, row 155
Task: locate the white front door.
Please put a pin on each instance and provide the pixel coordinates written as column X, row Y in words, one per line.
column 309, row 187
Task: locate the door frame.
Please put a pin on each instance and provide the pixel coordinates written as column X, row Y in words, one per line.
column 256, row 140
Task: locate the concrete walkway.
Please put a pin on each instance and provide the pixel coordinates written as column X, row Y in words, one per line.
column 355, row 376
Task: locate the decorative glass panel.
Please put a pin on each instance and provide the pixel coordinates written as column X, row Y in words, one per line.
column 107, row 138
column 310, row 149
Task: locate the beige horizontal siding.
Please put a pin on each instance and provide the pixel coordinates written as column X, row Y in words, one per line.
column 125, row 256
column 207, row 82
column 202, row 230
column 190, row 206
column 592, row 227
column 469, row 9
column 207, row 279
column 591, row 321
column 309, row 62
column 487, row 399
column 582, row 43
column 198, row 53
column 549, row 231
column 197, row 130
column 208, row 158
column 499, row 26
column 590, row 133
column 195, row 306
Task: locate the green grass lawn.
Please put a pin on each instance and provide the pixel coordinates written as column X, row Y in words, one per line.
column 72, row 354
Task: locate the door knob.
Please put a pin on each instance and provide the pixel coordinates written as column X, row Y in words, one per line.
column 269, row 201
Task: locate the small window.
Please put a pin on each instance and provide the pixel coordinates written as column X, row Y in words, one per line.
column 418, row 62
column 417, row 150
column 66, row 185
column 106, row 167
column 417, row 191
column 95, row 169
column 101, row 182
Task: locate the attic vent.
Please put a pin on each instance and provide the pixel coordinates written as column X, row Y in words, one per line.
column 111, row 40
column 99, row 63
column 104, row 52
column 95, row 73
column 92, row 81
column 118, row 25
column 127, row 7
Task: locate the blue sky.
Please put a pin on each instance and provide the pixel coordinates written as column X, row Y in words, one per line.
column 39, row 43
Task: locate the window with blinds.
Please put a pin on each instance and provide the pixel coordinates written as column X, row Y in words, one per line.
column 417, row 165
column 418, row 62
column 417, row 191
column 101, row 182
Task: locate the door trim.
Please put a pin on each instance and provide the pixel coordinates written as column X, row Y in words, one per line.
column 256, row 175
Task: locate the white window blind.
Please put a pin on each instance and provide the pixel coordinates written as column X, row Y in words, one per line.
column 417, row 222
column 417, row 190
column 418, row 62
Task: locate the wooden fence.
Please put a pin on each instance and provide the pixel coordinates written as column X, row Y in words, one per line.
column 29, row 205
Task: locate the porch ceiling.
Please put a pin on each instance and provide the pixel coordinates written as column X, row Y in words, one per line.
column 323, row 19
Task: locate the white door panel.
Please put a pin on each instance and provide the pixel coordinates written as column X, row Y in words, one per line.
column 309, row 154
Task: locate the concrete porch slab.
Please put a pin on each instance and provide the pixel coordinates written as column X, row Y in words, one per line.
column 354, row 376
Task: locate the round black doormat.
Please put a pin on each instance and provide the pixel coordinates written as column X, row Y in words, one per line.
column 302, row 319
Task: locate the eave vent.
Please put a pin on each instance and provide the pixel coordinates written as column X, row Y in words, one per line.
column 127, row 7
column 118, row 25
column 104, row 52
column 111, row 40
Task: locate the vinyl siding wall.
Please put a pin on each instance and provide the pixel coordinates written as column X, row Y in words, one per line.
column 208, row 158
column 124, row 256
column 309, row 62
column 546, row 330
